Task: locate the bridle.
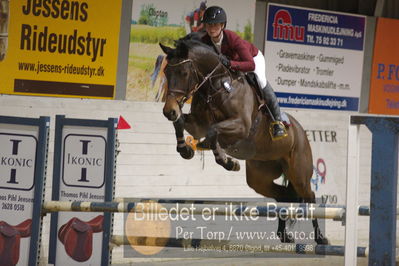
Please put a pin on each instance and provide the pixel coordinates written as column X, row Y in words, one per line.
column 189, row 93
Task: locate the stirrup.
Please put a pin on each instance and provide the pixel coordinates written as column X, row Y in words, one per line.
column 271, row 129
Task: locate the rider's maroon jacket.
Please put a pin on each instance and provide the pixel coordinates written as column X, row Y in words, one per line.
column 238, row 51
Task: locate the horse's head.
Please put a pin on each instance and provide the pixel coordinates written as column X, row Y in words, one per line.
column 187, row 66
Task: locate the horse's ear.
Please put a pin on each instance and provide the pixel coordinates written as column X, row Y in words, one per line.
column 165, row 49
column 182, row 48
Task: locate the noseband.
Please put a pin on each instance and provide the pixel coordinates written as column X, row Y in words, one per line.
column 198, row 85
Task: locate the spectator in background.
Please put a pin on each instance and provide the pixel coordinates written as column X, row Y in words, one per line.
column 194, row 19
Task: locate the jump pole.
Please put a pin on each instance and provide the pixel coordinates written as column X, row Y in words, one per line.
column 297, row 210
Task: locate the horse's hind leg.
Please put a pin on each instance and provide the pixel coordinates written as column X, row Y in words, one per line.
column 286, row 194
column 260, row 176
column 299, row 171
column 319, row 237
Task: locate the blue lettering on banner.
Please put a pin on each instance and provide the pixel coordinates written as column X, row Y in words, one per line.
column 312, row 27
column 391, row 104
column 317, row 101
column 389, row 72
column 391, row 88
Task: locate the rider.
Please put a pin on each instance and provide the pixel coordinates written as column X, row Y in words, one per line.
column 238, row 54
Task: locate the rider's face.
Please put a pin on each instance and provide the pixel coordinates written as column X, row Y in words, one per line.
column 214, row 29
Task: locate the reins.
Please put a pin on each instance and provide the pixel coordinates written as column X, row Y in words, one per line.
column 191, row 92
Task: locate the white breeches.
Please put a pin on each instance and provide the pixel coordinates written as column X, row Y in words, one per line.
column 260, row 69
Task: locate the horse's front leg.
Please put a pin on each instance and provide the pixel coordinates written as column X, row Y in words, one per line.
column 185, row 151
column 229, row 129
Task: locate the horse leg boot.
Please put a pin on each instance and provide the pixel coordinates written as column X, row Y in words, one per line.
column 278, row 130
column 185, row 151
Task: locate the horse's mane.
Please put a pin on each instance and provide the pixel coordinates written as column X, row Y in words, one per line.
column 187, row 43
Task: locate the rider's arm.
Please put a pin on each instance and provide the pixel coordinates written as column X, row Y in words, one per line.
column 244, row 49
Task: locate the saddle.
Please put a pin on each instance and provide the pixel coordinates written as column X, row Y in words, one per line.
column 77, row 237
column 252, row 79
column 10, row 237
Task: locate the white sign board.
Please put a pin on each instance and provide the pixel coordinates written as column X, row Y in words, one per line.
column 314, row 58
column 82, row 179
column 17, row 171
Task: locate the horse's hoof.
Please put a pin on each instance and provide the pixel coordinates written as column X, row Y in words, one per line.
column 236, row 166
column 232, row 165
column 186, row 152
column 322, row 241
column 285, row 238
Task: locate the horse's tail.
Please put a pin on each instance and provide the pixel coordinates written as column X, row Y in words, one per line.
column 157, row 67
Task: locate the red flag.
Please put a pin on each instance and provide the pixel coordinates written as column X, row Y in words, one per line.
column 122, row 123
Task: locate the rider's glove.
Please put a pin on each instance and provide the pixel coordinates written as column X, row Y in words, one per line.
column 223, row 59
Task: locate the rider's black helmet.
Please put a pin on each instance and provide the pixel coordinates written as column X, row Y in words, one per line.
column 214, row 14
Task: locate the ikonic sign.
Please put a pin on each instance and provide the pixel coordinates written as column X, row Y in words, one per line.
column 83, row 154
column 17, row 161
column 84, row 160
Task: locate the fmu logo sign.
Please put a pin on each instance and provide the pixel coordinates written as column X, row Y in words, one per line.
column 283, row 29
column 84, row 161
column 314, row 27
column 17, row 161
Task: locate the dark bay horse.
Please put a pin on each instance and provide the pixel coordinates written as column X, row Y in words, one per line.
column 225, row 111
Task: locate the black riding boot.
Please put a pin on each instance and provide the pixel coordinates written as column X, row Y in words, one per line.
column 277, row 129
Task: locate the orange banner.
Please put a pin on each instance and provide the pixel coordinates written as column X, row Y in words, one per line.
column 384, row 86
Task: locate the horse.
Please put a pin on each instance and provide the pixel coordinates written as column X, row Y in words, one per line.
column 225, row 111
column 159, row 66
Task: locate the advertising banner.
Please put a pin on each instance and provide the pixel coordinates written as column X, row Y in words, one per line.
column 22, row 168
column 83, row 171
column 384, row 85
column 160, row 21
column 314, row 58
column 59, row 48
